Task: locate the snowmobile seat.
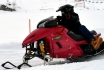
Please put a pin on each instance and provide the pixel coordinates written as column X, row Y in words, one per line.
column 79, row 37
column 75, row 36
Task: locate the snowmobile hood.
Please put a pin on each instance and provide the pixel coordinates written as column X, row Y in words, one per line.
column 36, row 35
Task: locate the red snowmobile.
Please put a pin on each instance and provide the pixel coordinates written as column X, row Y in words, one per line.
column 55, row 41
column 50, row 40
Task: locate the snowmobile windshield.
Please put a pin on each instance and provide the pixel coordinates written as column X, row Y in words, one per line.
column 47, row 23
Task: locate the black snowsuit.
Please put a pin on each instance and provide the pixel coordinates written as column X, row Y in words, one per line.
column 72, row 24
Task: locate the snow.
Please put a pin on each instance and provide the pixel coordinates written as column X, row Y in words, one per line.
column 14, row 27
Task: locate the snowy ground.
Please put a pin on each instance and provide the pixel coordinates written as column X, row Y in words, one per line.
column 14, row 28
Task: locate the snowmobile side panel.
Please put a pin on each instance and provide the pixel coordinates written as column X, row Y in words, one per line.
column 63, row 46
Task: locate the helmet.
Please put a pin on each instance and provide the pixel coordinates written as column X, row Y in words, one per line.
column 66, row 10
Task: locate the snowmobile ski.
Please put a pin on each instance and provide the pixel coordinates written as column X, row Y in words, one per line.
column 18, row 67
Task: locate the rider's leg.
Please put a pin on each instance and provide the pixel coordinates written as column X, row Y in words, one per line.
column 90, row 38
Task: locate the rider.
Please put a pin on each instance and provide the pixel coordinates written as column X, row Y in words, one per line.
column 70, row 20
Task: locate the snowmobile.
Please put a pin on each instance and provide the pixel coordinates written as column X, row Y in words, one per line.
column 50, row 41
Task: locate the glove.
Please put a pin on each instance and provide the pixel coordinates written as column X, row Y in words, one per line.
column 59, row 18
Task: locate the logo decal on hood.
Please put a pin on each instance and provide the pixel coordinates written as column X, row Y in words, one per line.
column 57, row 37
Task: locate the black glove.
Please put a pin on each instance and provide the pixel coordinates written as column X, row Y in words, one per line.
column 58, row 18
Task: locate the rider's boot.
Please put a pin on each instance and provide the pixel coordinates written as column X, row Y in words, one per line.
column 96, row 43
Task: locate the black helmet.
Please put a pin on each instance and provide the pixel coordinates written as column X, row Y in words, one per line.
column 66, row 8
